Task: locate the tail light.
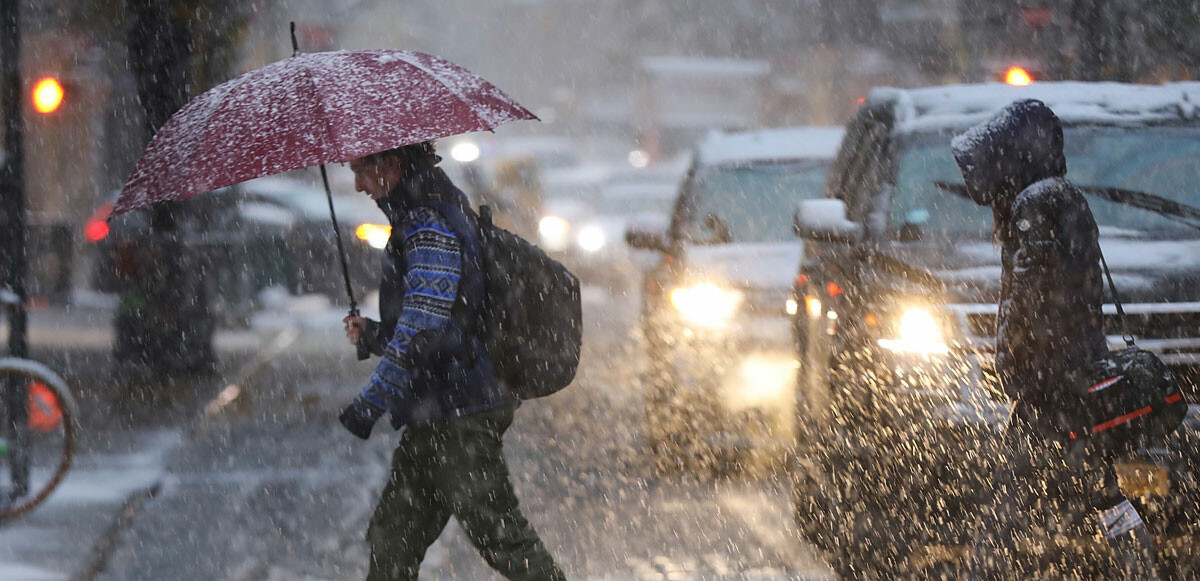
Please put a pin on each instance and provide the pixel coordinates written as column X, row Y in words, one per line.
column 96, row 228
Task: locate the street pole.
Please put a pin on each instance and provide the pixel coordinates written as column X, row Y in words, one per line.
column 12, row 244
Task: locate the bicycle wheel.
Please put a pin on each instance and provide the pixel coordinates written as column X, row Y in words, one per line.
column 36, row 454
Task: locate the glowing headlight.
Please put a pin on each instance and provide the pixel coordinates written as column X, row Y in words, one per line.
column 553, row 232
column 706, row 304
column 374, row 234
column 465, row 152
column 591, row 238
column 762, row 382
column 919, row 332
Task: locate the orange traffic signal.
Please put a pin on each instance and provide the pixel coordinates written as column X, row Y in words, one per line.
column 1017, row 76
column 47, row 95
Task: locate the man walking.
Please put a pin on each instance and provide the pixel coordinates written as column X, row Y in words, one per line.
column 1050, row 326
column 435, row 379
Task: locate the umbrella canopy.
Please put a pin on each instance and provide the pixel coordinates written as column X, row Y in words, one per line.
column 311, row 109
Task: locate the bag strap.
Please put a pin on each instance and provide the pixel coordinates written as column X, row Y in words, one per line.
column 1125, row 334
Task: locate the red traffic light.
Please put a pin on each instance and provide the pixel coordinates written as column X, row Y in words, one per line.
column 47, row 95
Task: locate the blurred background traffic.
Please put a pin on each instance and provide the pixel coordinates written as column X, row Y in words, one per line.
column 623, row 94
column 758, row 196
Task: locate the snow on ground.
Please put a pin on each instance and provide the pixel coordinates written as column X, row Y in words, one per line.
column 55, row 540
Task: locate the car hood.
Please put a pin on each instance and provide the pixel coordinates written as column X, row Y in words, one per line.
column 572, row 211
column 615, row 225
column 1143, row 270
column 765, row 265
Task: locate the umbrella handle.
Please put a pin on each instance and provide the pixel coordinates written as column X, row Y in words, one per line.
column 361, row 346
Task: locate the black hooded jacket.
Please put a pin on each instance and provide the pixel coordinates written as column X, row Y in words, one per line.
column 1051, row 290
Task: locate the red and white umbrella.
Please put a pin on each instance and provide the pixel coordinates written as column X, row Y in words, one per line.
column 312, row 109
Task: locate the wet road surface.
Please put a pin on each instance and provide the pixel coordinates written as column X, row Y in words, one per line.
column 270, row 486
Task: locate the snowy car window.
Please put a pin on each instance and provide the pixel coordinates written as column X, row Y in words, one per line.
column 920, row 207
column 1161, row 161
column 750, row 203
column 1157, row 160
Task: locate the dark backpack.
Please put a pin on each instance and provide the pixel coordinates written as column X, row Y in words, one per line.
column 533, row 319
column 1128, row 397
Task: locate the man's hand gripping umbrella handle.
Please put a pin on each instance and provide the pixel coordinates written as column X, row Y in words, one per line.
column 361, row 345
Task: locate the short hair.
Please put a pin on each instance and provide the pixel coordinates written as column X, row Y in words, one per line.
column 407, row 155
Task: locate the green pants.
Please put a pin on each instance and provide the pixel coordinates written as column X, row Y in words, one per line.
column 454, row 467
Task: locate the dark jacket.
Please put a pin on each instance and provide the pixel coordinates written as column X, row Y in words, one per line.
column 433, row 365
column 1050, row 323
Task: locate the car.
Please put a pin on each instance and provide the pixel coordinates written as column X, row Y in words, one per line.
column 720, row 378
column 313, row 263
column 896, row 309
column 267, row 232
column 569, row 197
column 506, row 174
column 588, row 210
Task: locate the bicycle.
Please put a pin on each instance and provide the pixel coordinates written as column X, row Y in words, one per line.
column 38, row 442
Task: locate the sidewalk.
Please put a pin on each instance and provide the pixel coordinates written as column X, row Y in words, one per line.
column 126, row 439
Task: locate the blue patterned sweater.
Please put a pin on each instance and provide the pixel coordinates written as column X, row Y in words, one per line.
column 434, row 260
column 430, row 366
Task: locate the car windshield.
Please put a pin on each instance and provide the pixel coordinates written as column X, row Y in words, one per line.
column 750, row 202
column 1159, row 160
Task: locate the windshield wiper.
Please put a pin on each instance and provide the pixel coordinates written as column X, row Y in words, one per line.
column 1170, row 209
column 1150, row 202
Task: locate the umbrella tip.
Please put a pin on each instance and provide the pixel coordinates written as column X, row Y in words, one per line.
column 295, row 45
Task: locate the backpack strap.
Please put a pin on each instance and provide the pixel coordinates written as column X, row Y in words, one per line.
column 1125, row 334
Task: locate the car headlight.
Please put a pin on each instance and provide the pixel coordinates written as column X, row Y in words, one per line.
column 465, row 152
column 376, row 235
column 918, row 331
column 592, row 238
column 553, row 232
column 761, row 381
column 706, row 304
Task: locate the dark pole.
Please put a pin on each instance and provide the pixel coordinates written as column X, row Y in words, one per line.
column 172, row 331
column 12, row 243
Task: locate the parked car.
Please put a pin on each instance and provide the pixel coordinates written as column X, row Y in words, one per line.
column 895, row 320
column 314, row 266
column 272, row 231
column 721, row 367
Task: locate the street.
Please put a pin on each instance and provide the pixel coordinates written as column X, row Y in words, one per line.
column 267, row 484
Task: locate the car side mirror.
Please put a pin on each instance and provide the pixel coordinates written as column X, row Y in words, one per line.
column 825, row 220
column 646, row 239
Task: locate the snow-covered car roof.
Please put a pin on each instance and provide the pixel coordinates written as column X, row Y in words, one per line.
column 770, row 145
column 958, row 106
column 670, row 65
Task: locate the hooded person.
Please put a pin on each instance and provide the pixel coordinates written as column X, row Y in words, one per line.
column 1050, row 326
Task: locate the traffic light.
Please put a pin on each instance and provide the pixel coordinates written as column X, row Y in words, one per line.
column 1017, row 76
column 47, row 95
